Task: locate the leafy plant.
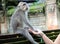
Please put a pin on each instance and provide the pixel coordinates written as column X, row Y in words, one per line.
column 34, row 8
column 10, row 10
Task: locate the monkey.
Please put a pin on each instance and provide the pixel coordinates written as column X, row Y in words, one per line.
column 18, row 19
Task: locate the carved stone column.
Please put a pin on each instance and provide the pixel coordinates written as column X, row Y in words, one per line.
column 51, row 14
column 4, row 24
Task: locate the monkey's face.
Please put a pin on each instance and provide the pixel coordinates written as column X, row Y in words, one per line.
column 23, row 6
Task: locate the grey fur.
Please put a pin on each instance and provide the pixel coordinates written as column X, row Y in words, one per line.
column 17, row 21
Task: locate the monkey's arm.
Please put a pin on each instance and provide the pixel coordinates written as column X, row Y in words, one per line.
column 34, row 32
column 25, row 19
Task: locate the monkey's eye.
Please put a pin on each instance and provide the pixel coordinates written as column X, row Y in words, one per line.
column 24, row 4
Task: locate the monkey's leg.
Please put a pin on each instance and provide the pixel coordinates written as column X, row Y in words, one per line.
column 29, row 37
column 25, row 33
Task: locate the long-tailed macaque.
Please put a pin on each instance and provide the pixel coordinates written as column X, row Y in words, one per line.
column 18, row 19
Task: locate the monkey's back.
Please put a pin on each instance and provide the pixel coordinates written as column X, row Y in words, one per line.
column 16, row 21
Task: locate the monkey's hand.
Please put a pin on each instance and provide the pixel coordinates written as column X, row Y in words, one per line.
column 39, row 31
column 34, row 32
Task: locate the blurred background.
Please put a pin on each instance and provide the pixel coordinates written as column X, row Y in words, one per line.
column 38, row 15
column 43, row 14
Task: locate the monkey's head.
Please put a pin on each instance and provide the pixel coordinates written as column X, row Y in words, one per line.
column 23, row 6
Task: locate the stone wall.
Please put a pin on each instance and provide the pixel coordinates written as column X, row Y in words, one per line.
column 38, row 21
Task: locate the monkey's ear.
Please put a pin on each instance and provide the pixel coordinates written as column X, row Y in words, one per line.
column 20, row 3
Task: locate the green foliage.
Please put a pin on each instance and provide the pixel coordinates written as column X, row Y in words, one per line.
column 58, row 3
column 34, row 8
column 10, row 10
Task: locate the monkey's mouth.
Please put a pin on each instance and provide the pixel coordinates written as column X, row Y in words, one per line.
column 26, row 8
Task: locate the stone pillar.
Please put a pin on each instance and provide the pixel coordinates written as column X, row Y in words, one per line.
column 51, row 14
column 4, row 26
